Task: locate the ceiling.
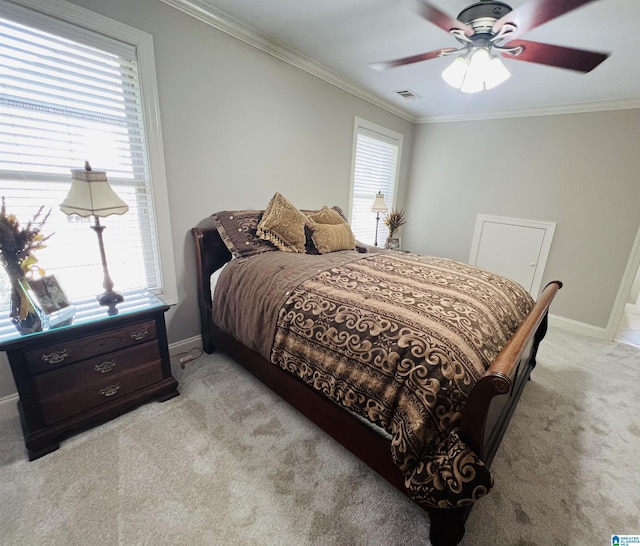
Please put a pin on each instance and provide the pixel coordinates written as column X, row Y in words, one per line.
column 337, row 39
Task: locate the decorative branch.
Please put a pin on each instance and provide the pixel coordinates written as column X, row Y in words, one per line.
column 394, row 220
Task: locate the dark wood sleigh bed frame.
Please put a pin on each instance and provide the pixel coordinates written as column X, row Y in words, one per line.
column 486, row 413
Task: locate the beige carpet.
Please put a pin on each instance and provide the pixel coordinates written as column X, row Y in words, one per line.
column 228, row 462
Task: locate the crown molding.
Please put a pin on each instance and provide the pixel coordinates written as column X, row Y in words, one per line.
column 578, row 108
column 219, row 20
column 223, row 22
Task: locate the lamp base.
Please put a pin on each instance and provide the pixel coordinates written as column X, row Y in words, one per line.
column 110, row 298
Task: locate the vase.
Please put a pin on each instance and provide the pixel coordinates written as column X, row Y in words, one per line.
column 393, row 243
column 391, row 240
column 23, row 314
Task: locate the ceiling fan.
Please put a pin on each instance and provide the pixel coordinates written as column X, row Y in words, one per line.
column 489, row 29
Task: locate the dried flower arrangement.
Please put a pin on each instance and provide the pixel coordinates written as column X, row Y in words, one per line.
column 18, row 244
column 394, row 220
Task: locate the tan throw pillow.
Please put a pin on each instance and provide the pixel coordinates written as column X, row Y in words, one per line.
column 332, row 237
column 283, row 225
column 326, row 216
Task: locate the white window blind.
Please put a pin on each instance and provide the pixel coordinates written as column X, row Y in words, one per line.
column 375, row 169
column 68, row 95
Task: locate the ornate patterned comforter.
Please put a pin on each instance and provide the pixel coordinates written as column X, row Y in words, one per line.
column 400, row 339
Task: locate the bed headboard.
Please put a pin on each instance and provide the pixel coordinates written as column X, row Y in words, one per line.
column 211, row 255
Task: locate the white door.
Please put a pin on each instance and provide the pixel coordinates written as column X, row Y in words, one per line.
column 516, row 249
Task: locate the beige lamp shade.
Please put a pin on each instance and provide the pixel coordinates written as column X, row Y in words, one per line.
column 379, row 205
column 90, row 194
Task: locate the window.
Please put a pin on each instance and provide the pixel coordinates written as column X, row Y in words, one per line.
column 70, row 93
column 376, row 160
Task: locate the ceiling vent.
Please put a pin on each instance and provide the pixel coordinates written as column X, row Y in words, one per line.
column 408, row 94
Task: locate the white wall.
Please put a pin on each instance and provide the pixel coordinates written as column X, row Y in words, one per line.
column 581, row 171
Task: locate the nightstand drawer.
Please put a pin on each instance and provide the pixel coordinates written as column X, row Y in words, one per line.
column 79, row 397
column 101, row 369
column 62, row 354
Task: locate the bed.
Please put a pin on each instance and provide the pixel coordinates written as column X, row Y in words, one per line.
column 378, row 413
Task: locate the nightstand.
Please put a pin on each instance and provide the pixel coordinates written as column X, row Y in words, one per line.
column 89, row 371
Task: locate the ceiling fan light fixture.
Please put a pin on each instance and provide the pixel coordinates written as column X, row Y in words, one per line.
column 497, row 73
column 476, row 71
column 455, row 72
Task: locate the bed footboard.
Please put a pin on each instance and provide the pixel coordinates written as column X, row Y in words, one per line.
column 494, row 397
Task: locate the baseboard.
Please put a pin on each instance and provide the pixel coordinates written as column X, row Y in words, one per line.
column 579, row 327
column 9, row 404
column 185, row 345
column 9, row 407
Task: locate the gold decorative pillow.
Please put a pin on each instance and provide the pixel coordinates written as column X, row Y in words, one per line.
column 332, row 237
column 283, row 225
column 326, row 216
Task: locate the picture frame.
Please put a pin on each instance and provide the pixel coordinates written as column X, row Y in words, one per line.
column 50, row 301
column 393, row 243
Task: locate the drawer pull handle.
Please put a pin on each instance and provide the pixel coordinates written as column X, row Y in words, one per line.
column 55, row 357
column 105, row 367
column 110, row 390
column 139, row 334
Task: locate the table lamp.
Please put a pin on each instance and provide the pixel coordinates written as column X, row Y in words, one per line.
column 378, row 206
column 91, row 195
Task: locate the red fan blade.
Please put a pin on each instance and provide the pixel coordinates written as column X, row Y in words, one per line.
column 383, row 65
column 580, row 60
column 535, row 13
column 441, row 19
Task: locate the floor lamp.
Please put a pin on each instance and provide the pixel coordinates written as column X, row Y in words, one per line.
column 91, row 195
column 378, row 206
